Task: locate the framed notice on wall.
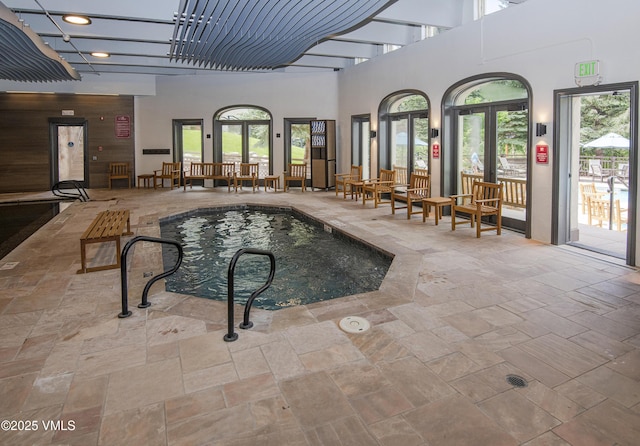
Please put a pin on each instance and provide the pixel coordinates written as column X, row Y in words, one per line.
column 123, row 126
column 542, row 154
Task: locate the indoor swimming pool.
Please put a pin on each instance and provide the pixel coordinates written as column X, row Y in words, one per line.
column 313, row 261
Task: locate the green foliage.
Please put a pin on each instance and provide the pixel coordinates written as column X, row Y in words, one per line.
column 602, row 114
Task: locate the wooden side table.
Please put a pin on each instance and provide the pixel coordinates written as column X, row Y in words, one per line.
column 146, row 179
column 438, row 203
column 272, row 181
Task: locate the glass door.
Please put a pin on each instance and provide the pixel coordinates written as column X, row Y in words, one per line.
column 243, row 135
column 232, row 144
column 596, row 178
column 256, row 147
column 361, row 144
column 299, row 143
column 187, row 142
column 491, row 145
column 71, row 153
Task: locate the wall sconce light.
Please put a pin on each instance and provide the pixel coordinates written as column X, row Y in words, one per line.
column 372, row 134
column 435, row 133
column 541, row 129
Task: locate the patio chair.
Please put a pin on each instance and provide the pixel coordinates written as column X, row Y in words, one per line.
column 296, row 172
column 485, row 201
column 507, row 168
column 419, row 188
column 119, row 171
column 374, row 188
column 401, row 175
column 344, row 181
column 596, row 170
column 620, row 215
column 169, row 171
column 589, row 190
column 248, row 172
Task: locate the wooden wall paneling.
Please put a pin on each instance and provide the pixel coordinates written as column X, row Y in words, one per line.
column 25, row 145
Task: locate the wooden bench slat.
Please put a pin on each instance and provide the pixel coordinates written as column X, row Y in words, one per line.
column 106, row 226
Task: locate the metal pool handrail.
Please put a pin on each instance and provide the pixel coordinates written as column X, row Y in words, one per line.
column 231, row 335
column 123, row 271
column 78, row 194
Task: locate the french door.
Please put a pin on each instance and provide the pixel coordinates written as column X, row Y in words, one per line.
column 408, row 140
column 245, row 142
column 488, row 145
column 187, row 141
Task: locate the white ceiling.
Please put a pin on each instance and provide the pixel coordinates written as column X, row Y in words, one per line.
column 138, row 33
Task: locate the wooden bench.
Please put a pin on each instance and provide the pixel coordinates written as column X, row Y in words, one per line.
column 209, row 171
column 108, row 226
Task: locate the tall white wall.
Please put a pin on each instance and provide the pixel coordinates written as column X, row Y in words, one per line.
column 540, row 40
column 285, row 95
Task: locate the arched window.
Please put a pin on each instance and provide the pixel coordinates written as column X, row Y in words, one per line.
column 486, row 129
column 242, row 134
column 404, row 131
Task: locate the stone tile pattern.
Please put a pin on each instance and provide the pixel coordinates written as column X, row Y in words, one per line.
column 453, row 318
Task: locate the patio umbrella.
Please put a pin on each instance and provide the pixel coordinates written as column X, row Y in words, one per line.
column 401, row 140
column 609, row 141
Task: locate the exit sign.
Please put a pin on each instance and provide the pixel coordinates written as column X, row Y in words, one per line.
column 587, row 73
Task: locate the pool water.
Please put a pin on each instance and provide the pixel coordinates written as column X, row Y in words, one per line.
column 312, row 264
column 18, row 221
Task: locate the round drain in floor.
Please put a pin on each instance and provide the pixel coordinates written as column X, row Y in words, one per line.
column 516, row 381
column 354, row 324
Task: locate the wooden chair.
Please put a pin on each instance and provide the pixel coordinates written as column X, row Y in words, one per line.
column 588, row 190
column 596, row 170
column 467, row 180
column 248, row 172
column 620, row 215
column 372, row 189
column 169, row 171
column 598, row 211
column 419, row 188
column 486, row 200
column 296, row 172
column 224, row 172
column 401, row 175
column 345, row 181
column 119, row 171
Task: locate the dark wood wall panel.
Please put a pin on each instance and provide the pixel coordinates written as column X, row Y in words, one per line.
column 25, row 147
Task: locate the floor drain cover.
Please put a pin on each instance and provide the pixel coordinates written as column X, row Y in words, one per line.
column 516, row 381
column 354, row 324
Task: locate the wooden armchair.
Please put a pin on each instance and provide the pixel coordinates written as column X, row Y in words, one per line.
column 486, row 200
column 401, row 175
column 248, row 172
column 296, row 172
column 419, row 188
column 169, row 171
column 345, row 181
column 588, row 190
column 224, row 172
column 372, row 189
column 119, row 171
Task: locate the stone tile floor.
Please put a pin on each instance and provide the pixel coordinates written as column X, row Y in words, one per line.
column 453, row 318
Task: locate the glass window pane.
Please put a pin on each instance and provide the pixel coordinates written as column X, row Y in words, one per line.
column 492, row 91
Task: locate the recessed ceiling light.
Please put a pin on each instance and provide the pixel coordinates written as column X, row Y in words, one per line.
column 76, row 19
column 100, row 54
